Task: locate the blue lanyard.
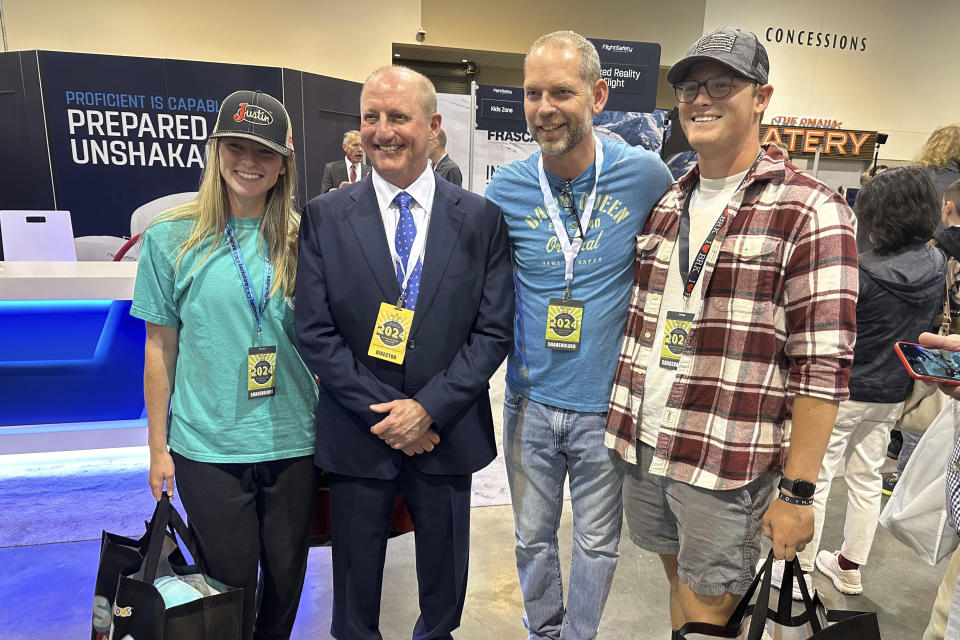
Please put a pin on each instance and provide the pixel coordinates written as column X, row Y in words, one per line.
column 245, row 278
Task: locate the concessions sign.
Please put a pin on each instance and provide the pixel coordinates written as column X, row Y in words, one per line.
column 836, row 144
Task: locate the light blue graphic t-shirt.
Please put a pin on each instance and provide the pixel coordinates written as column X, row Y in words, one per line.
column 631, row 181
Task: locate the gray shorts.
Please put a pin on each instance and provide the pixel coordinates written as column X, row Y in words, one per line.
column 714, row 534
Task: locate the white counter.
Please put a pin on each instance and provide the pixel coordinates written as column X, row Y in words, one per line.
column 67, row 280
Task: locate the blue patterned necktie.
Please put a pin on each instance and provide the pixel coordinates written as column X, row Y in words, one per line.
column 406, row 233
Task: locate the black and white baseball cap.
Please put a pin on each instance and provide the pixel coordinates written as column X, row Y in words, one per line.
column 739, row 50
column 256, row 116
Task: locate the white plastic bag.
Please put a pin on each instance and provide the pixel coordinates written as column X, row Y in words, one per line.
column 916, row 513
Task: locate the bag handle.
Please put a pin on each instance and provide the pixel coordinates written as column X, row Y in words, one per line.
column 741, row 609
column 144, row 540
column 791, row 572
column 164, row 516
column 945, row 318
column 785, row 604
column 761, row 607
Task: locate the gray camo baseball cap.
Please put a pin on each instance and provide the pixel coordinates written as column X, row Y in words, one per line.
column 739, row 50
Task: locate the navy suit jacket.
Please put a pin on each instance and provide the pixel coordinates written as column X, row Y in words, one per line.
column 462, row 328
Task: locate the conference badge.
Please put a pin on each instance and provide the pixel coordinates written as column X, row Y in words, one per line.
column 564, row 321
column 391, row 333
column 675, row 332
column 261, row 372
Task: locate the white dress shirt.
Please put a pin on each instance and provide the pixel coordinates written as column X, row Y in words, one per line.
column 422, row 191
column 357, row 166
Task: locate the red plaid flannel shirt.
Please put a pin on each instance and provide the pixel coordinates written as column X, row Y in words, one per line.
column 777, row 319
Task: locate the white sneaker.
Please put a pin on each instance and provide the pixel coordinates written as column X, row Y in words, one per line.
column 845, row 580
column 776, row 580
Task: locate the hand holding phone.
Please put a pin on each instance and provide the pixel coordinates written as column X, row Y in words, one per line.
column 930, row 364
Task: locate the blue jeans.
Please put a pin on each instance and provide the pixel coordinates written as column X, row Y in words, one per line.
column 910, row 441
column 542, row 444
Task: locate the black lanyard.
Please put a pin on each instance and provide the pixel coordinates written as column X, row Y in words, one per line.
column 690, row 275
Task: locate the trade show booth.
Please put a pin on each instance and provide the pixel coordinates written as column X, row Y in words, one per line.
column 94, row 146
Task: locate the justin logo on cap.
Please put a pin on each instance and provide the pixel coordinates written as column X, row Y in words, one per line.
column 252, row 113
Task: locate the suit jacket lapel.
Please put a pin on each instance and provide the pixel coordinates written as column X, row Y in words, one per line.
column 367, row 224
column 446, row 218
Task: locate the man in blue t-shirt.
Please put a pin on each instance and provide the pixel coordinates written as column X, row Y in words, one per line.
column 573, row 213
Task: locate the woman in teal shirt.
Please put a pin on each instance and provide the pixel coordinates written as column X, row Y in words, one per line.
column 229, row 402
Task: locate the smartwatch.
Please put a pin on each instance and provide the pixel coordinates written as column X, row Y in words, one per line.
column 799, row 488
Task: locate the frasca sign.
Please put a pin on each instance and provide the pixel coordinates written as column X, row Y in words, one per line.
column 838, row 144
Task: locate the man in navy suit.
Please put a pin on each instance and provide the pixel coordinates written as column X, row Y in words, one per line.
column 404, row 310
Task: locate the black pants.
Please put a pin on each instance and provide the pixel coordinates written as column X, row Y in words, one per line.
column 360, row 510
column 253, row 516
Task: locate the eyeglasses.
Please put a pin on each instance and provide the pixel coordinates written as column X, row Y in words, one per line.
column 718, row 86
column 572, row 219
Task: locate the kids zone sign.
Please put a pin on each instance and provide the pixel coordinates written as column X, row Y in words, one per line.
column 124, row 131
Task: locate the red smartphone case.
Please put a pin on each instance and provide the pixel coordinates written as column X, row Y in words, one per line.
column 918, row 376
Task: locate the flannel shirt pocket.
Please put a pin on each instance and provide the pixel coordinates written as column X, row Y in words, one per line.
column 748, row 268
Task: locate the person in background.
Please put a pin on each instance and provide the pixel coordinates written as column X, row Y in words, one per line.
column 573, row 211
column 940, row 156
column 945, row 616
column 901, row 287
column 863, row 242
column 871, row 172
column 443, row 164
column 351, row 169
column 739, row 336
column 229, row 401
column 948, row 241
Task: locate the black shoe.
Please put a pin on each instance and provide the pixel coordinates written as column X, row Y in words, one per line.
column 890, row 482
column 896, row 443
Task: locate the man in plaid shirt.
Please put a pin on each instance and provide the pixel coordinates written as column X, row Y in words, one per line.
column 742, row 320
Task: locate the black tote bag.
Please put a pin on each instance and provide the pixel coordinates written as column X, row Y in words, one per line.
column 116, row 554
column 750, row 621
column 139, row 612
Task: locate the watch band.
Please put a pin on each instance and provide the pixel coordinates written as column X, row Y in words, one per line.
column 799, row 488
column 803, row 502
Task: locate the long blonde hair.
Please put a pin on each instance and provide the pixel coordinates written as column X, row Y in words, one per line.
column 278, row 228
column 941, row 147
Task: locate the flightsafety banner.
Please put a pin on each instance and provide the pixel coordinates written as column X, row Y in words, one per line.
column 126, row 130
column 630, row 69
column 492, row 149
column 500, row 108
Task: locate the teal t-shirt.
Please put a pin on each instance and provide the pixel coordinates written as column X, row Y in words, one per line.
column 631, row 182
column 212, row 420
